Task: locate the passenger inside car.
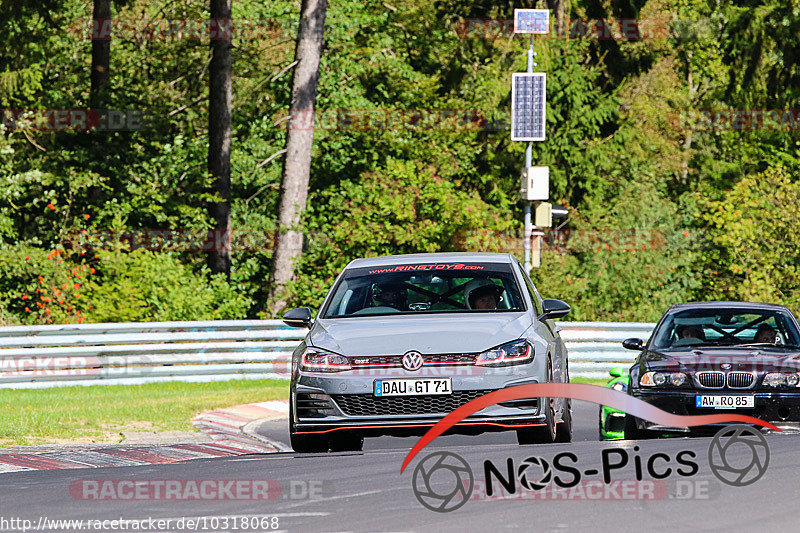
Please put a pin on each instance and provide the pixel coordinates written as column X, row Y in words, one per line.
column 765, row 333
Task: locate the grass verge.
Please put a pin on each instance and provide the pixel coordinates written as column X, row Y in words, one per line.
column 100, row 413
column 589, row 381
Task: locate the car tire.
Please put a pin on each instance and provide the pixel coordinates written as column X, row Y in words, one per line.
column 541, row 434
column 347, row 442
column 309, row 443
column 564, row 428
column 306, row 443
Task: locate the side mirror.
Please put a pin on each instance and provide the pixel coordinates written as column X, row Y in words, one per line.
column 553, row 309
column 633, row 344
column 615, row 372
column 298, row 318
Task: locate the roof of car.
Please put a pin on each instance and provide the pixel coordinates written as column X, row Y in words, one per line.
column 445, row 257
column 729, row 305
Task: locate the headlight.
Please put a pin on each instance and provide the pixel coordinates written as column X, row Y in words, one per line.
column 318, row 360
column 511, row 353
column 619, row 386
column 781, row 379
column 659, row 379
column 677, row 378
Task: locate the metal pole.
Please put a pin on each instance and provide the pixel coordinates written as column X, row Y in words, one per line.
column 527, row 226
column 527, row 238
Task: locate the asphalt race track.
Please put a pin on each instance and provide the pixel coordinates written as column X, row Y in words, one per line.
column 367, row 492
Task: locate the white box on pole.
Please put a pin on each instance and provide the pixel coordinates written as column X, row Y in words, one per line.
column 536, row 184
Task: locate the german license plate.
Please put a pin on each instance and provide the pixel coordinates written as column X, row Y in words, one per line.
column 726, row 402
column 412, row 387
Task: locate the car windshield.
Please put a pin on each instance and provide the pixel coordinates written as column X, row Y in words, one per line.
column 426, row 288
column 726, row 327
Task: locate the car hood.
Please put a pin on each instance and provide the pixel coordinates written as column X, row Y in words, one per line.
column 746, row 359
column 429, row 334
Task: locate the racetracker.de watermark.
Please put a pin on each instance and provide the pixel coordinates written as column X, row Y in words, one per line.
column 600, row 29
column 617, row 490
column 176, row 490
column 397, row 120
column 215, row 29
column 29, row 367
column 736, row 119
column 275, row 29
column 45, row 120
column 174, row 240
column 738, row 456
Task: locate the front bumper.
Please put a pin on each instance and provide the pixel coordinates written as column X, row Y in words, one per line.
column 612, row 424
column 778, row 408
column 344, row 402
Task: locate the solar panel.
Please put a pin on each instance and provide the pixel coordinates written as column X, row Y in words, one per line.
column 532, row 21
column 528, row 100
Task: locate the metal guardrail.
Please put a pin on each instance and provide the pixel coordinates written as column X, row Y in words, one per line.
column 147, row 352
column 594, row 348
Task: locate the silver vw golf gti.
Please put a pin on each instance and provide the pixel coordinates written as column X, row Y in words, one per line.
column 401, row 341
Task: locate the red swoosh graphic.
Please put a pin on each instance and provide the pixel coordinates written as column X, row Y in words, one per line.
column 577, row 391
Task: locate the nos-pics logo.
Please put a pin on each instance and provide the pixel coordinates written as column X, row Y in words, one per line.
column 443, row 481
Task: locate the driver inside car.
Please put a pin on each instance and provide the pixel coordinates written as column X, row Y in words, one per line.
column 690, row 332
column 392, row 295
column 483, row 294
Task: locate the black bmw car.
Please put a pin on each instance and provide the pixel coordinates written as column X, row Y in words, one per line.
column 712, row 356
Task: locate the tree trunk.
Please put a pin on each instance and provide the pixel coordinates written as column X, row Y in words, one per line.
column 220, row 96
column 101, row 55
column 687, row 141
column 297, row 161
column 558, row 13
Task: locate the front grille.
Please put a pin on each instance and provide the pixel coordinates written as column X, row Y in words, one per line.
column 397, row 360
column 740, row 380
column 369, row 405
column 711, row 380
column 528, row 403
column 311, row 405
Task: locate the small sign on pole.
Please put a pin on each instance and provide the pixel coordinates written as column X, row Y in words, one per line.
column 532, row 21
column 528, row 101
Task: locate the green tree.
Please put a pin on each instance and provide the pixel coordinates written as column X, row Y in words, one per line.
column 754, row 238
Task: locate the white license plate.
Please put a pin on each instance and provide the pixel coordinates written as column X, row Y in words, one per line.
column 412, row 387
column 726, row 402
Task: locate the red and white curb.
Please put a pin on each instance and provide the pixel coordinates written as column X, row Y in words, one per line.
column 114, row 455
column 224, row 426
column 229, row 426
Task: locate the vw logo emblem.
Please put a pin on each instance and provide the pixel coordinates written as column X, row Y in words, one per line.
column 412, row 361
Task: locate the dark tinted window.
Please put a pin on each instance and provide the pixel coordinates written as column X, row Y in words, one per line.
column 726, row 327
column 430, row 288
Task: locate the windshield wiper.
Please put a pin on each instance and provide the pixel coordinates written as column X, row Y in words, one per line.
column 770, row 345
column 682, row 346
